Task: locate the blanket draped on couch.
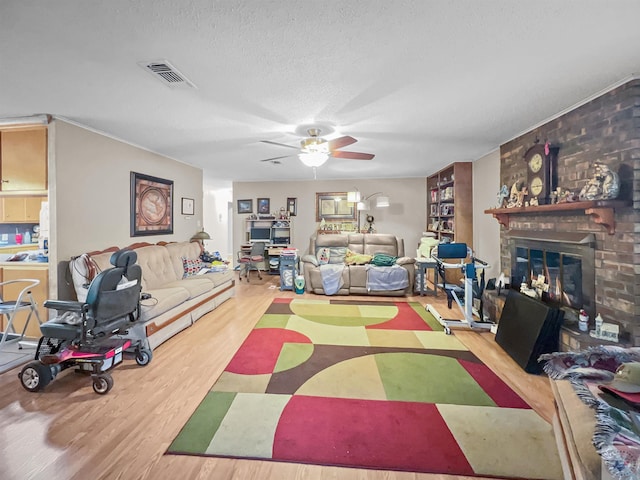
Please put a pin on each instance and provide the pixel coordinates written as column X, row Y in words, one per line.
column 386, row 278
column 331, row 278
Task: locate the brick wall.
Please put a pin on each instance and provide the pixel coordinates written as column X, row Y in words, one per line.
column 606, row 129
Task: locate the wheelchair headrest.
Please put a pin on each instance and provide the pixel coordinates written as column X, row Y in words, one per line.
column 123, row 258
column 452, row 250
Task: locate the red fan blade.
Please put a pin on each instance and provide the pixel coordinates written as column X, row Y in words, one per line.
column 280, row 144
column 340, row 142
column 352, row 155
column 275, row 158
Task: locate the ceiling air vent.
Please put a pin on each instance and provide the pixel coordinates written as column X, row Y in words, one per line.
column 166, row 73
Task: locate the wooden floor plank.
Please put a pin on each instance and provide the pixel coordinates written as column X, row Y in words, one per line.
column 69, row 432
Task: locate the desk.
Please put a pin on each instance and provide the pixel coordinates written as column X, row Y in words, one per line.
column 271, row 263
column 422, row 265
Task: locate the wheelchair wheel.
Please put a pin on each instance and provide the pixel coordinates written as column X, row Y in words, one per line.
column 143, row 357
column 34, row 376
column 102, row 383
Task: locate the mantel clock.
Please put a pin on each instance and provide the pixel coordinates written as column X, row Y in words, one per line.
column 541, row 172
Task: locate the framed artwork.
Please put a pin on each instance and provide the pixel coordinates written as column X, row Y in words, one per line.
column 264, row 205
column 334, row 206
column 188, row 207
column 151, row 201
column 292, row 206
column 245, row 206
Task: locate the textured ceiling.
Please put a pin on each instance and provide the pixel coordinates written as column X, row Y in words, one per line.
column 419, row 83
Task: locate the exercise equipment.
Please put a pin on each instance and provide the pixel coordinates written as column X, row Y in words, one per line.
column 463, row 296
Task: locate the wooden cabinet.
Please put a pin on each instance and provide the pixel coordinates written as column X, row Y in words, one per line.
column 23, row 160
column 17, row 209
column 40, row 294
column 449, row 203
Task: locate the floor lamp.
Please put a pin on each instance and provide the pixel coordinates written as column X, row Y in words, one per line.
column 381, row 202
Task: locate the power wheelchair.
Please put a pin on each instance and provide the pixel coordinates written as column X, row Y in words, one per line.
column 92, row 335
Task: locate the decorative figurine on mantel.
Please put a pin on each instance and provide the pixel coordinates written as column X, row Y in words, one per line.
column 503, row 195
column 604, row 185
column 518, row 192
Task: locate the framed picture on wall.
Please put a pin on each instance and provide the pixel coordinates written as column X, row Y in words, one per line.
column 188, row 207
column 334, row 206
column 151, row 201
column 292, row 206
column 245, row 206
column 264, row 205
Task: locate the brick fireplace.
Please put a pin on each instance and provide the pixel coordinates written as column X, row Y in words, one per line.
column 606, row 129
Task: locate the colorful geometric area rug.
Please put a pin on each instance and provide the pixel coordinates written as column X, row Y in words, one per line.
column 374, row 385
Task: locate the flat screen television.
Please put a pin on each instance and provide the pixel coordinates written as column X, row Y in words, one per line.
column 260, row 234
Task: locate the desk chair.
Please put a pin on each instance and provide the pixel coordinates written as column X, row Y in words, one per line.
column 249, row 261
column 9, row 309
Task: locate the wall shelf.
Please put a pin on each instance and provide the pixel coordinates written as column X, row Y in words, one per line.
column 602, row 211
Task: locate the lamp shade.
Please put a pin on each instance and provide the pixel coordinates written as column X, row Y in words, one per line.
column 201, row 235
column 382, row 201
column 353, row 196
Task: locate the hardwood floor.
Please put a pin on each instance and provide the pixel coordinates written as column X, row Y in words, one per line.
column 69, row 432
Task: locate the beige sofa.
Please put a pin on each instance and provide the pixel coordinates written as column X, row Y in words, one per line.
column 174, row 302
column 354, row 278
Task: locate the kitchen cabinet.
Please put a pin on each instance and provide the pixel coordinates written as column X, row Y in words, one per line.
column 21, row 209
column 23, row 160
column 40, row 294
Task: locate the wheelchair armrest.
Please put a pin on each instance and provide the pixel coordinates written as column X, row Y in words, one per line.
column 65, row 305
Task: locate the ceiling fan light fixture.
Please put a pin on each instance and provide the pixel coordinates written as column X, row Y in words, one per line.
column 313, row 159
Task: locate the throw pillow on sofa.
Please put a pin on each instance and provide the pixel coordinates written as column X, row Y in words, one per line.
column 322, row 254
column 191, row 267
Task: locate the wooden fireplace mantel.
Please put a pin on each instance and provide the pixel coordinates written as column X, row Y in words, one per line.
column 602, row 211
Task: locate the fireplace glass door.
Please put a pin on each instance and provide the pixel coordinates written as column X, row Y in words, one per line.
column 562, row 272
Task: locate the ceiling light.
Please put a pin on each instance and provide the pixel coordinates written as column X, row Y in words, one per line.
column 313, row 159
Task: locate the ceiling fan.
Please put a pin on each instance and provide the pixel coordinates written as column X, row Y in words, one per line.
column 315, row 150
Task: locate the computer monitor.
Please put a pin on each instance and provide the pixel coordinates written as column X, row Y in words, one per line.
column 260, row 234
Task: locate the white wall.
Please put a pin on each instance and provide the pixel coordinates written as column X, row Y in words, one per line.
column 486, row 230
column 217, row 222
column 89, row 191
column 405, row 217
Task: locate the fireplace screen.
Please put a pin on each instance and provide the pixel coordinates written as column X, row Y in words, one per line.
column 562, row 271
column 567, row 261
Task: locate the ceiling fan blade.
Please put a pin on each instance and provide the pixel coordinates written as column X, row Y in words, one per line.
column 280, row 144
column 352, row 155
column 275, row 158
column 341, row 142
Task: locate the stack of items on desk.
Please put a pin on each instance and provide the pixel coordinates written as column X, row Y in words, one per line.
column 289, row 252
